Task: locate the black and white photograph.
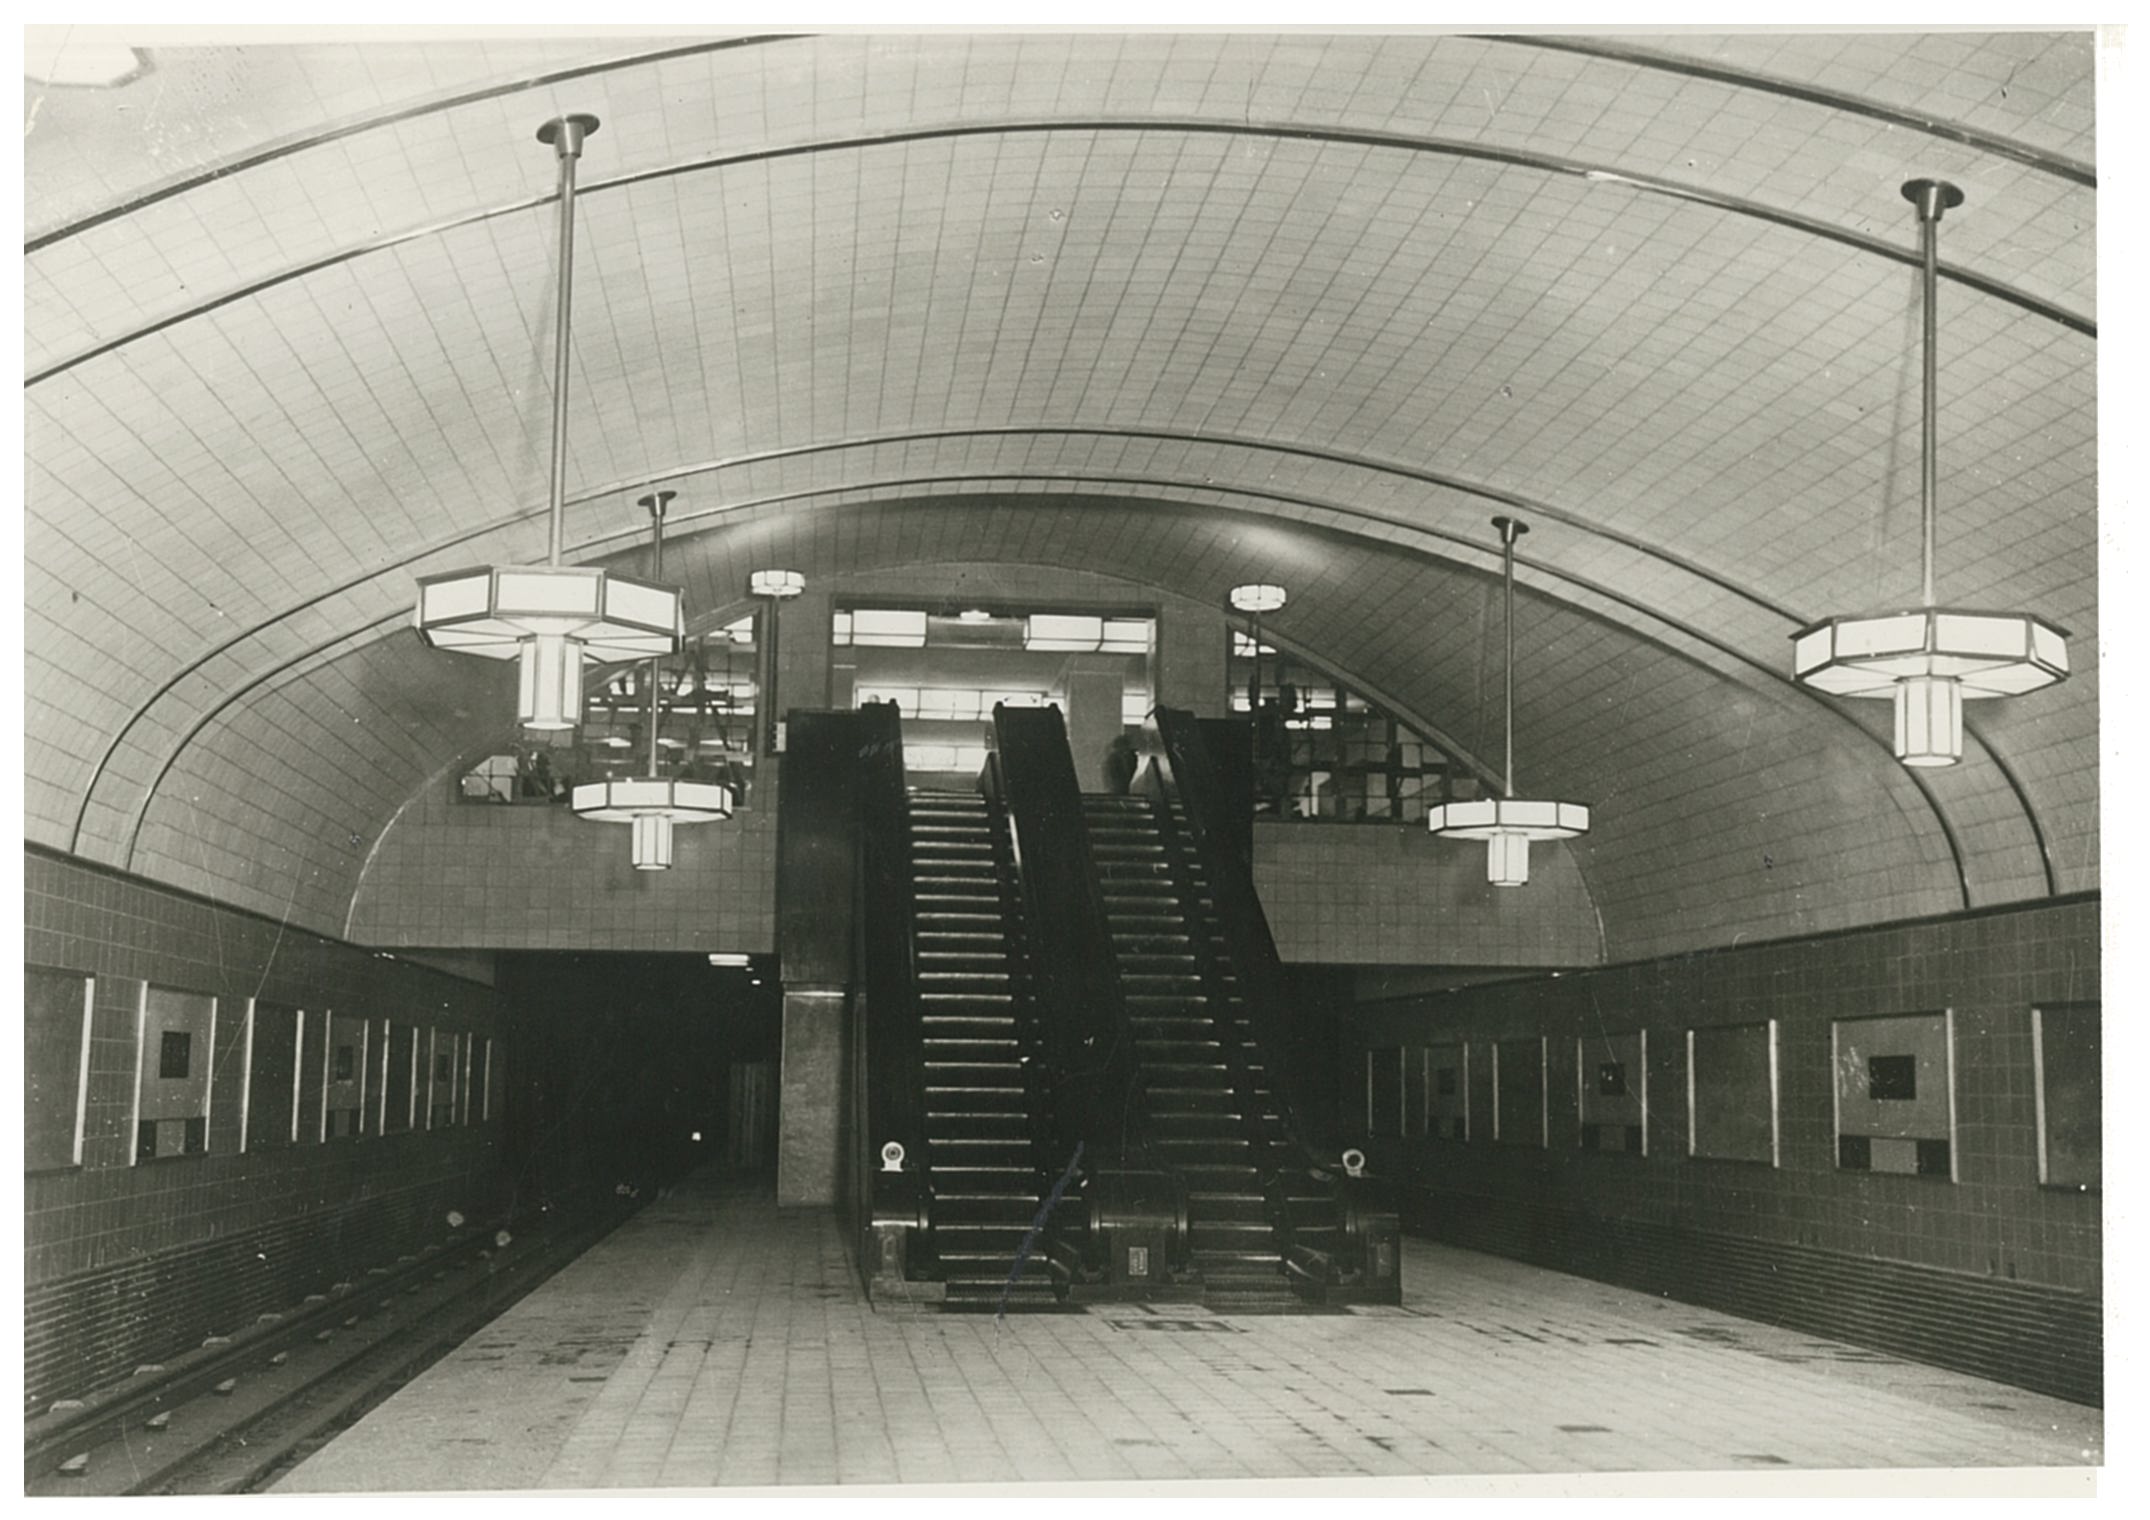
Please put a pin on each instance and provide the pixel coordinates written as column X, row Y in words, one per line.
column 955, row 758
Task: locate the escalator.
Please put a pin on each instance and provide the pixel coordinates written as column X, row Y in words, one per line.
column 1281, row 1216
column 980, row 1111
column 1202, row 1078
column 1065, row 1019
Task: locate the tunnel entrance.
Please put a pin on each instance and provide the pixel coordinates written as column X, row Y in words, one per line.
column 630, row 1070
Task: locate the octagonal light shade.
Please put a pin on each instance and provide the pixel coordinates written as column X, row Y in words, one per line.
column 652, row 806
column 1929, row 662
column 490, row 612
column 1991, row 654
column 776, row 583
column 553, row 620
column 1258, row 597
column 1508, row 825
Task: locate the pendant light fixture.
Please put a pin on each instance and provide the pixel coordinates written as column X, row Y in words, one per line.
column 1930, row 659
column 653, row 805
column 552, row 618
column 1506, row 823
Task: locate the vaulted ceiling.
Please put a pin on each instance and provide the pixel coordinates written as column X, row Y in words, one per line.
column 1180, row 309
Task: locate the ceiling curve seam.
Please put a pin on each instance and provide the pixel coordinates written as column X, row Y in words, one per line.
column 305, row 142
column 1835, row 100
column 1446, row 147
column 1771, row 677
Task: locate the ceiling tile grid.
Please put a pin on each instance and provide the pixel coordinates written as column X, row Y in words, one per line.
column 1716, row 387
column 462, row 157
column 198, row 108
column 2028, row 86
column 303, row 774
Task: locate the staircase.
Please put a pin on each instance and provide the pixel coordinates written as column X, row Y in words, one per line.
column 973, row 1001
column 1210, row 1110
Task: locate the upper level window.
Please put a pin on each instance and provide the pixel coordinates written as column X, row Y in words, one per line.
column 705, row 718
column 1325, row 752
column 946, row 668
column 993, row 628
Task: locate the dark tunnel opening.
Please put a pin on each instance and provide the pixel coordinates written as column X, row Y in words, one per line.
column 631, row 1070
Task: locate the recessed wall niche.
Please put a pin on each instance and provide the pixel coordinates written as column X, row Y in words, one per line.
column 1895, row 1094
column 175, row 1033
column 1732, row 1092
column 273, row 1041
column 1612, row 1103
column 1448, row 1091
column 1384, row 1091
column 1519, row 1097
column 55, row 1071
column 344, row 1069
column 2067, row 1045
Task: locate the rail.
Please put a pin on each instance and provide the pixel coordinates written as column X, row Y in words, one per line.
column 1179, row 764
column 1093, row 1075
column 235, row 1413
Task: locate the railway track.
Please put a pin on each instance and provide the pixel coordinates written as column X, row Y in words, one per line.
column 234, row 1420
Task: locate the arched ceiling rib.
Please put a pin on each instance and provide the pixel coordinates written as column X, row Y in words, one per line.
column 1043, row 267
column 1642, row 736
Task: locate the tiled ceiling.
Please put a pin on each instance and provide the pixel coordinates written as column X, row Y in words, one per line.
column 1180, row 307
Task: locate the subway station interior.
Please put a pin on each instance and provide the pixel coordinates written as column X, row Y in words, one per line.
column 1054, row 757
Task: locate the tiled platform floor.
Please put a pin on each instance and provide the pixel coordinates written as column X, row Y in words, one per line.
column 714, row 1340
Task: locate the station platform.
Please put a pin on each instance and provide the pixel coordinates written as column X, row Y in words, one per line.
column 715, row 1340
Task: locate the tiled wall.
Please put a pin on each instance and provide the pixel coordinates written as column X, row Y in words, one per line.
column 1990, row 968
column 506, row 877
column 1987, row 1273
column 124, row 1263
column 1370, row 894
column 451, row 873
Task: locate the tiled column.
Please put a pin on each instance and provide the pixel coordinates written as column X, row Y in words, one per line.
column 802, row 652
column 810, row 1097
column 1094, row 686
column 1190, row 661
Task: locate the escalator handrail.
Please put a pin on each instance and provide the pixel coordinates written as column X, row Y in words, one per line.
column 888, row 939
column 1173, row 744
column 1090, row 1042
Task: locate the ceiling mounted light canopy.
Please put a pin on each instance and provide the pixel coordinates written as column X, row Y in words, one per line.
column 552, row 619
column 1258, row 597
column 1930, row 660
column 653, row 805
column 1507, row 823
column 780, row 584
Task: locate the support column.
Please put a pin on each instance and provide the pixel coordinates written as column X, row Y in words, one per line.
column 1191, row 649
column 810, row 1101
column 1094, row 685
column 802, row 653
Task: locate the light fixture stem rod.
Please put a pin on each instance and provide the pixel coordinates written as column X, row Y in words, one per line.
column 565, row 134
column 1931, row 197
column 656, row 504
column 1930, row 248
column 1508, row 679
column 1510, row 531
